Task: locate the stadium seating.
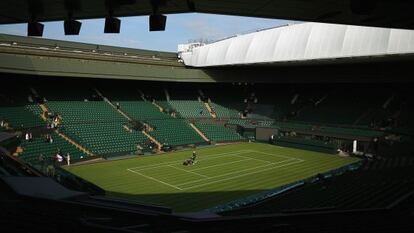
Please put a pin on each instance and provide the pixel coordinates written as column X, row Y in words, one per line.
column 218, row 133
column 377, row 185
column 141, row 110
column 33, row 149
column 84, row 112
column 305, row 144
column 224, row 112
column 262, row 111
column 190, row 108
column 249, row 123
column 106, row 138
column 174, row 132
column 20, row 117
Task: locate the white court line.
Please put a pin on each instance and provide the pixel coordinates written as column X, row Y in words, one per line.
column 248, row 169
column 180, row 169
column 209, row 157
column 235, row 153
column 283, row 156
column 152, row 178
column 261, row 160
column 221, row 164
column 233, row 177
column 175, row 163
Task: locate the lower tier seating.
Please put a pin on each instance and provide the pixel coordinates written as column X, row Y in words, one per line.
column 174, row 132
column 219, row 133
column 33, row 149
column 105, row 138
column 376, row 185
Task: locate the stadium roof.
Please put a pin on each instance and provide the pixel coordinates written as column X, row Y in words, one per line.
column 379, row 13
column 307, row 42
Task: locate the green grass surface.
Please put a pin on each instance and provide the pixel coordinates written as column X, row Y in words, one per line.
column 221, row 174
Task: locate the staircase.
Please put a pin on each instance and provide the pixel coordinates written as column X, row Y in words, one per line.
column 210, row 110
column 81, row 148
column 199, row 132
column 112, row 105
column 130, row 119
column 153, row 140
column 44, row 109
column 159, row 107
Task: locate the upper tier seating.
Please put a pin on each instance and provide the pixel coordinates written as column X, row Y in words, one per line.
column 190, row 108
column 16, row 109
column 224, row 112
column 141, row 110
column 20, row 116
column 339, row 108
column 84, row 112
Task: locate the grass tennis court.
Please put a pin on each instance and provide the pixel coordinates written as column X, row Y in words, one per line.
column 221, row 174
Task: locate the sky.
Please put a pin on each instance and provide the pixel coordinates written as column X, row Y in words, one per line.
column 180, row 28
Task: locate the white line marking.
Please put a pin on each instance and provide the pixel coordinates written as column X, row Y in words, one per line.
column 209, row 157
column 246, row 157
column 159, row 181
column 283, row 156
column 180, row 169
column 221, row 164
column 247, row 169
column 215, row 156
column 233, row 177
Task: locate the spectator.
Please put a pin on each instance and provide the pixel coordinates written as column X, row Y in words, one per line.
column 118, row 106
column 59, row 157
column 68, row 159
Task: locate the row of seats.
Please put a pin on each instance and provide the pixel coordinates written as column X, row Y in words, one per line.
column 218, row 133
column 361, row 189
column 84, row 111
column 174, row 132
column 141, row 110
column 248, row 123
column 326, row 129
column 190, row 108
column 305, row 144
column 34, row 148
column 224, row 112
column 21, row 116
column 105, row 138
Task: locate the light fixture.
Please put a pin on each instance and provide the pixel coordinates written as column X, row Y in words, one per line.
column 112, row 25
column 35, row 29
column 72, row 27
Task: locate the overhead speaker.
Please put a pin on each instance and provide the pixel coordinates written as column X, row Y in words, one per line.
column 35, row 29
column 157, row 22
column 72, row 27
column 112, row 25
